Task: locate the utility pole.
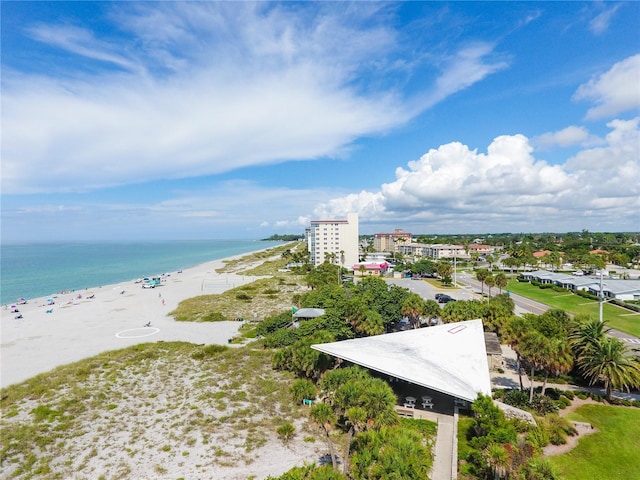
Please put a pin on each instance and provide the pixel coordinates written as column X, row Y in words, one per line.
column 600, row 299
column 455, row 270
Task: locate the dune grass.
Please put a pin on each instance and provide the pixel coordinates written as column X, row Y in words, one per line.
column 265, row 262
column 611, row 453
column 123, row 401
column 258, row 299
column 265, row 296
column 618, row 317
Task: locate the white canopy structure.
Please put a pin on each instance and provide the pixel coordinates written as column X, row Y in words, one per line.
column 449, row 358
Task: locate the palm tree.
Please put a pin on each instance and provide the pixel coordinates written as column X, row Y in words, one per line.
column 362, row 269
column 497, row 457
column 534, row 351
column 587, row 335
column 323, row 416
column 356, row 420
column 412, row 308
column 612, row 363
column 432, row 309
column 516, row 330
column 490, row 282
column 501, row 281
column 559, row 359
column 481, row 276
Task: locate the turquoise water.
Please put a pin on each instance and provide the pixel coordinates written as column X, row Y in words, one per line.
column 38, row 270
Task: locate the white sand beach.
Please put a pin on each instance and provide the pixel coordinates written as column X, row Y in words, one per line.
column 114, row 318
column 78, row 327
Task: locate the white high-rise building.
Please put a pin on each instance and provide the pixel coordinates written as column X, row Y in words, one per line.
column 335, row 240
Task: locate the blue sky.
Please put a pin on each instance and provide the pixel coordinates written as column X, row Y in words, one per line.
column 159, row 120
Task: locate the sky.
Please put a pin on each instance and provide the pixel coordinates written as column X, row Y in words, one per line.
column 160, row 120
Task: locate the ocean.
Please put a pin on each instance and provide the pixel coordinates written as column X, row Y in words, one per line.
column 39, row 270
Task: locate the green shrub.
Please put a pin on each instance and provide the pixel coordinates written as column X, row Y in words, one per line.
column 214, row 317
column 517, row 398
column 285, row 432
column 537, row 437
column 543, row 405
column 271, row 324
column 552, row 393
column 569, row 394
column 209, row 351
column 303, row 389
column 281, row 338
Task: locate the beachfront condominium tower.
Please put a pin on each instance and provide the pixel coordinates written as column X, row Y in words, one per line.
column 334, row 240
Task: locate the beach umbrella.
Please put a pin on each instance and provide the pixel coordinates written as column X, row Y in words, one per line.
column 50, row 301
column 22, row 300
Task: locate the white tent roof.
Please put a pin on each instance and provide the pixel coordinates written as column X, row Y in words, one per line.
column 449, row 358
column 309, row 312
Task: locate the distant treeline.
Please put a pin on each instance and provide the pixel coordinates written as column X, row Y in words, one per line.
column 283, row 238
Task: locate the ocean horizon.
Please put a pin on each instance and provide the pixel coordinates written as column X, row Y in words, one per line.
column 34, row 270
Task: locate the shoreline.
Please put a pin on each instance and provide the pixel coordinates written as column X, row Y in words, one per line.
column 56, row 267
column 75, row 328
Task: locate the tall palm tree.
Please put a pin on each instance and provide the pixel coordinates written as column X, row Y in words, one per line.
column 587, row 335
column 490, row 282
column 534, row 351
column 559, row 359
column 516, row 330
column 323, row 416
column 481, row 276
column 501, row 281
column 612, row 363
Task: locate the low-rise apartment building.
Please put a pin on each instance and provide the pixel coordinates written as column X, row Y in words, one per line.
column 438, row 251
column 391, row 242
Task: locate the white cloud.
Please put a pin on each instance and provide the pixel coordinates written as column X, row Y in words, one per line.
column 571, row 135
column 454, row 188
column 615, row 91
column 601, row 22
column 466, row 67
column 81, row 42
column 233, row 209
column 207, row 87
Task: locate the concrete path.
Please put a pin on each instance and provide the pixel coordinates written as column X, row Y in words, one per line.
column 445, row 451
column 446, row 457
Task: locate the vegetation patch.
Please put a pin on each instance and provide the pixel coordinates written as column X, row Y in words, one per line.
column 613, row 450
column 173, row 392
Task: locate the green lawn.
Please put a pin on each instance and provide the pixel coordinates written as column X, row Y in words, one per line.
column 619, row 318
column 612, row 453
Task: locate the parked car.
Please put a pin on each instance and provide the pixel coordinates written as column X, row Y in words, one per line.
column 438, row 295
column 445, row 299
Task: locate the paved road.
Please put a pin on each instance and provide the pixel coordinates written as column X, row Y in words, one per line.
column 470, row 288
column 528, row 305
